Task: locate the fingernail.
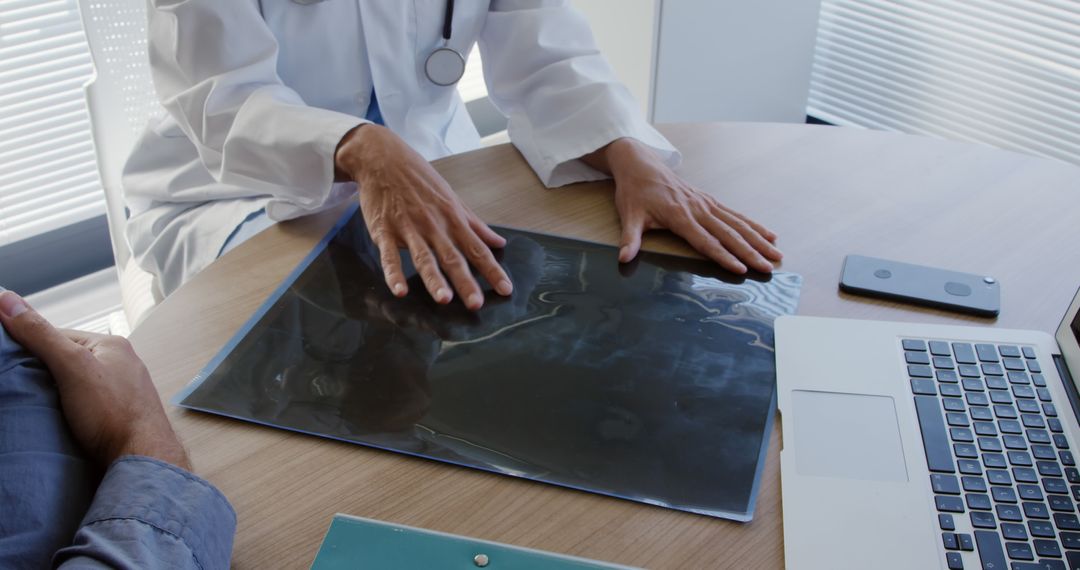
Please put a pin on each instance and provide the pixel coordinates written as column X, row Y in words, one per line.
column 399, row 289
column 504, row 287
column 623, row 252
column 12, row 305
column 442, row 295
column 475, row 300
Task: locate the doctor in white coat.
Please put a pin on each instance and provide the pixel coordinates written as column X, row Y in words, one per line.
column 281, row 108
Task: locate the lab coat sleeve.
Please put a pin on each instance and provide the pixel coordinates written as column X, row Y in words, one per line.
column 544, row 71
column 214, row 65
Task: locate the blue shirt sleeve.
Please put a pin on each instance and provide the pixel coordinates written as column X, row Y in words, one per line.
column 143, row 514
column 149, row 514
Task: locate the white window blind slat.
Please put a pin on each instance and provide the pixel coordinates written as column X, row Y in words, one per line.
column 1000, row 72
column 48, row 172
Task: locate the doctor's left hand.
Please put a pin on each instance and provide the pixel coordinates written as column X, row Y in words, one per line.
column 406, row 203
column 649, row 195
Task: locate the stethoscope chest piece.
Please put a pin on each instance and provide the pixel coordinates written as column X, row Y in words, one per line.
column 445, row 66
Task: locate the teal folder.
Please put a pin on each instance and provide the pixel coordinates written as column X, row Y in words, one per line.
column 356, row 543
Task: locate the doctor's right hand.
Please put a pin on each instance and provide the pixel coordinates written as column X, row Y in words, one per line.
column 406, row 203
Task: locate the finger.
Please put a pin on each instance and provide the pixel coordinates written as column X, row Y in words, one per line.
column 480, row 256
column 630, row 243
column 700, row 239
column 734, row 243
column 428, row 268
column 390, row 260
column 486, row 233
column 751, row 235
column 454, row 266
column 764, row 231
column 36, row 334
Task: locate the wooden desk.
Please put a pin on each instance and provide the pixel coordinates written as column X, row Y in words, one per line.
column 827, row 191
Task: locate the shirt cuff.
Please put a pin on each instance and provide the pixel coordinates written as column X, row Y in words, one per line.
column 171, row 500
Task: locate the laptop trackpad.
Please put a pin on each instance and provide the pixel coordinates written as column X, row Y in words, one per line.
column 850, row 436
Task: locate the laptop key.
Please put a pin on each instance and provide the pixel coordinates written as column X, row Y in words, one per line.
column 1036, row 510
column 944, row 484
column 941, row 348
column 1038, row 436
column 948, row 504
column 955, row 561
column 919, row 358
column 1048, row 468
column 1039, row 451
column 994, row 461
column 1061, row 503
column 1055, row 485
column 1033, row 421
column 1067, row 458
column 923, row 387
column 943, row 363
column 945, row 521
column 1018, row 377
column 950, row 390
column 1039, row 380
column 1013, row 531
column 966, row 450
column 1025, row 475
column 1075, row 492
column 978, row 399
column 1043, row 394
column 998, row 477
column 973, row 385
column 969, row 466
column 986, row 352
column 984, row 428
column 1033, row 366
column 1054, row 424
column 913, row 344
column 947, row 376
column 996, row 383
column 953, row 404
column 1030, row 492
column 1027, row 406
column 1012, row 363
column 993, row 369
column 973, row 484
column 1042, row 529
column 1049, row 410
column 990, row 551
column 981, row 414
column 1020, row 458
column 1047, row 548
column 1070, row 540
column 1000, row 397
column 957, row 420
column 1066, row 522
column 1025, row 392
column 965, row 541
column 1009, row 513
column 1005, row 411
column 1019, row 551
column 1029, row 352
column 1072, row 475
column 935, row 441
column 983, row 519
column 978, row 502
column 989, row 443
column 1003, row 494
column 1013, row 441
column 1009, row 351
column 964, row 353
column 919, row 371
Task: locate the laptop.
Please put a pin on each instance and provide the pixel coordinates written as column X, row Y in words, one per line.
column 922, row 446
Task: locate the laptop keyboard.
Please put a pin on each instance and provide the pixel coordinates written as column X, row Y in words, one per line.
column 1005, row 481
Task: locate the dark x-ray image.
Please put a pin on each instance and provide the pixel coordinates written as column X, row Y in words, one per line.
column 652, row 381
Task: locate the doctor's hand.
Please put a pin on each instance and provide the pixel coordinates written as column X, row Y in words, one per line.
column 105, row 391
column 406, row 203
column 648, row 195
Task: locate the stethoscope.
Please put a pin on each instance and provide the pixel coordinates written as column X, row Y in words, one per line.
column 445, row 66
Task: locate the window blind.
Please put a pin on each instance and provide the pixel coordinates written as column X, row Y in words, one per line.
column 48, row 174
column 999, row 72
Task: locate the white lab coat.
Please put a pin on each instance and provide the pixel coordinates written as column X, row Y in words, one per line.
column 260, row 92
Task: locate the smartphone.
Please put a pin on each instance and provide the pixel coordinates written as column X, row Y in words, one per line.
column 939, row 288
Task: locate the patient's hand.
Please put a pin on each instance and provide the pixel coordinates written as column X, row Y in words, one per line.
column 108, row 398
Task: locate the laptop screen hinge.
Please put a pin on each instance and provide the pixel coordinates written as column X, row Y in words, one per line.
column 1067, row 380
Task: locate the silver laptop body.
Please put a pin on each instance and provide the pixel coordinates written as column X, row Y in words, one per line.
column 858, row 490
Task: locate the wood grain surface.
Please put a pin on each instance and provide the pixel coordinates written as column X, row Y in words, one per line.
column 826, row 191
